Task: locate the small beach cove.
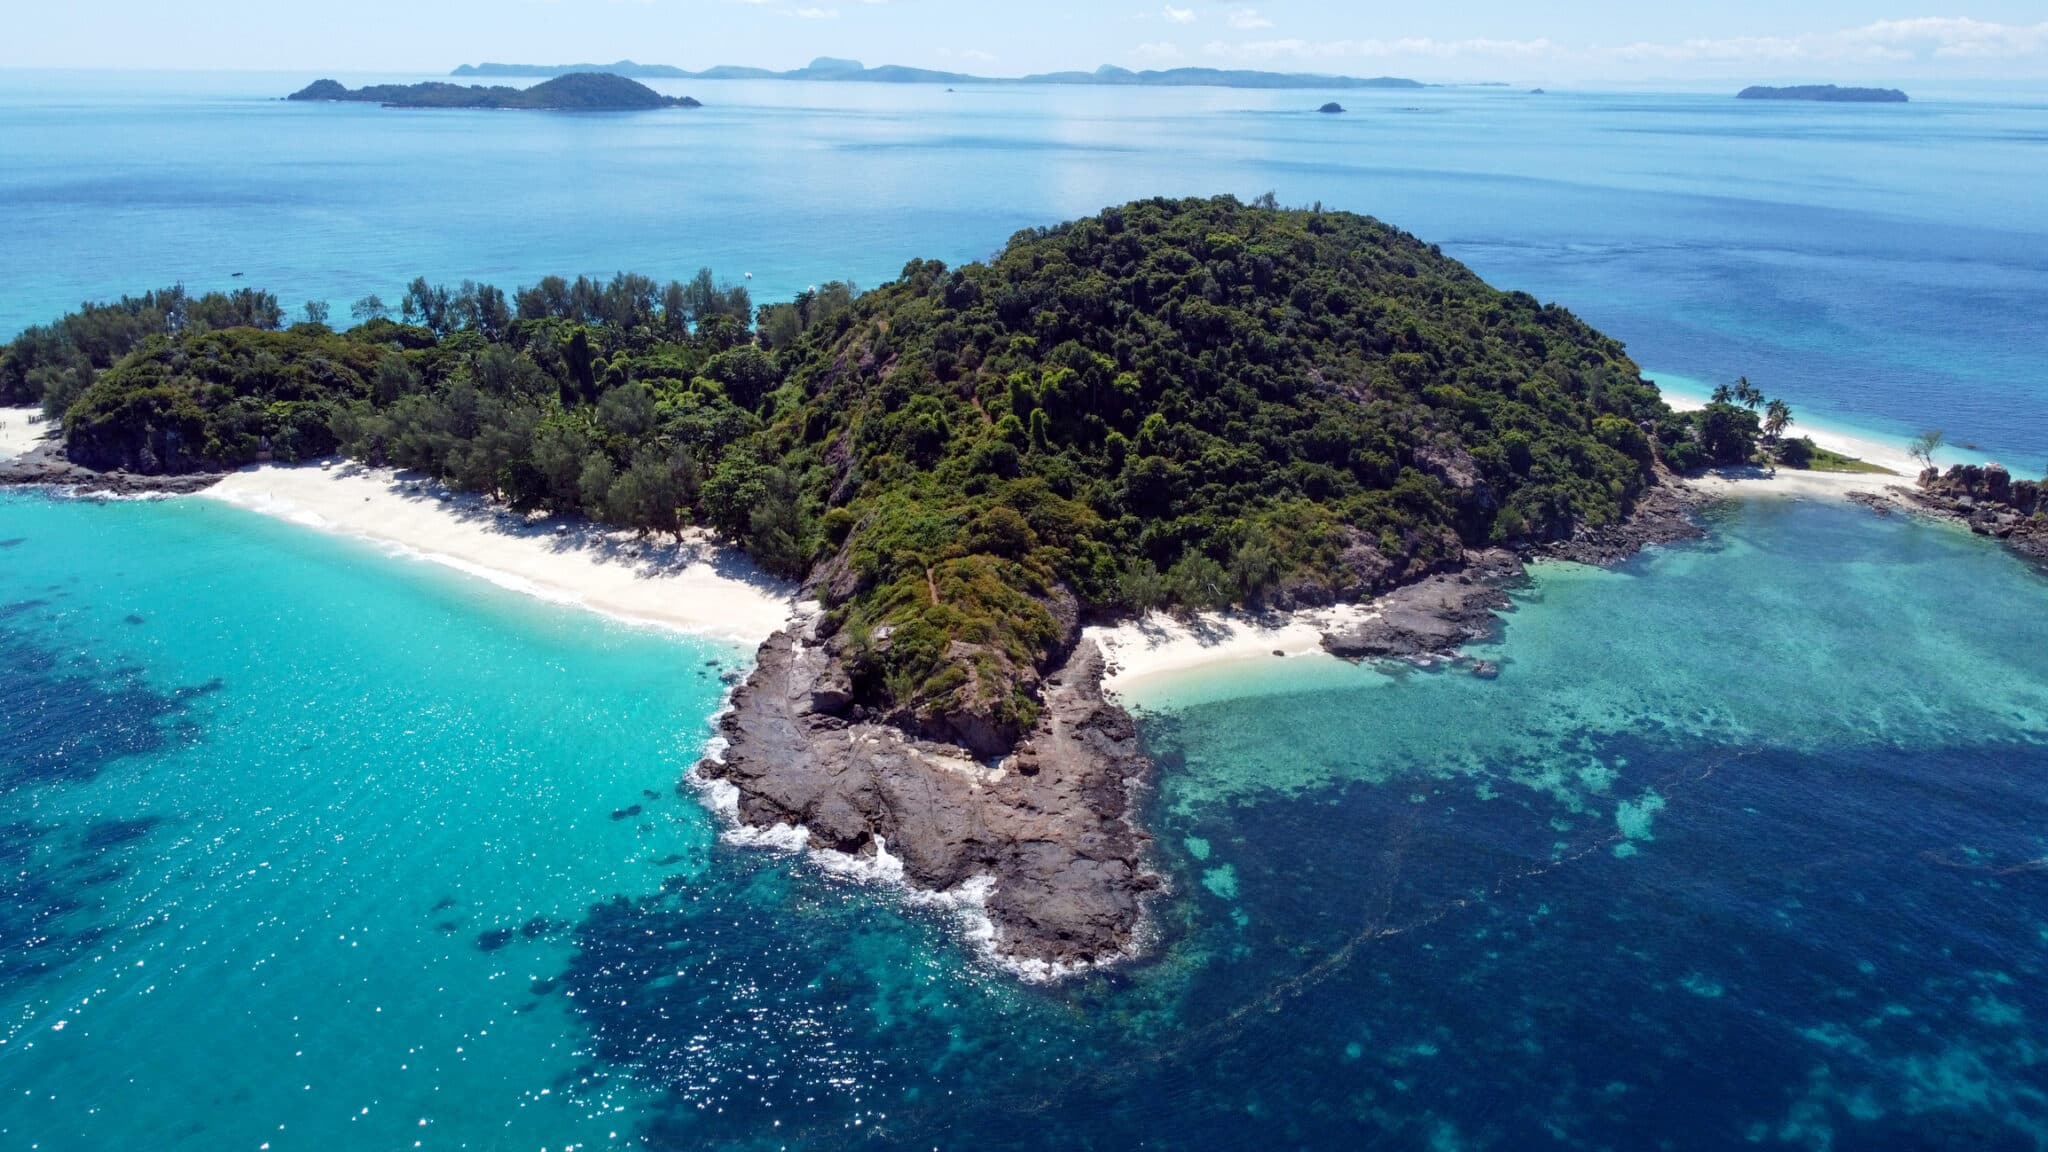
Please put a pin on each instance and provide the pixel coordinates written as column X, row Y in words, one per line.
column 691, row 585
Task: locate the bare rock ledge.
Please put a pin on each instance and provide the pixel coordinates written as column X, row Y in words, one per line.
column 1051, row 823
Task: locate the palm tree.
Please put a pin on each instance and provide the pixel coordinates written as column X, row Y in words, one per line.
column 1721, row 395
column 1777, row 417
column 1749, row 395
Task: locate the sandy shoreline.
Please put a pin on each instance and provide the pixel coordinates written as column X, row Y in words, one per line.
column 697, row 587
column 21, row 429
column 1802, row 483
column 1161, row 645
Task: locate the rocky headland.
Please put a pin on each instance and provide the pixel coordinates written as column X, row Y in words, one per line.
column 1050, row 822
column 1984, row 498
column 47, row 466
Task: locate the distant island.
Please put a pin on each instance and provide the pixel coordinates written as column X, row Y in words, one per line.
column 1824, row 94
column 833, row 68
column 575, row 92
column 1331, row 109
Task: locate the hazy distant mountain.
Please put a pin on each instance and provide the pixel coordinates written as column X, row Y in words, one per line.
column 1216, row 78
column 833, row 68
column 622, row 68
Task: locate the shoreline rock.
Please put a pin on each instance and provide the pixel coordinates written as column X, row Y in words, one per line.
column 46, row 467
column 1985, row 499
column 1051, row 823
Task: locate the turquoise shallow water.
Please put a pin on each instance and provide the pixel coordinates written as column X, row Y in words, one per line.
column 315, row 847
column 345, row 772
column 311, row 847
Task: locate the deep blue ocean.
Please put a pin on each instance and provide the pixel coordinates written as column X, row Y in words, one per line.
column 1884, row 265
column 308, row 846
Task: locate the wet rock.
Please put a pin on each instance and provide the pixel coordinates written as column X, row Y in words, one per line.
column 1486, row 670
column 1432, row 617
column 47, row 466
column 1664, row 514
column 1051, row 825
column 1986, row 499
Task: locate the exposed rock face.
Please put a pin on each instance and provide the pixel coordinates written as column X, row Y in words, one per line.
column 1051, row 824
column 1434, row 616
column 1444, row 612
column 1662, row 515
column 47, row 466
column 1986, row 498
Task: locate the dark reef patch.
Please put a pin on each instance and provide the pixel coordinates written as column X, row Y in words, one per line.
column 105, row 834
column 64, row 720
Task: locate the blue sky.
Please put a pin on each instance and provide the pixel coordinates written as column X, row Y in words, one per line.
column 1514, row 40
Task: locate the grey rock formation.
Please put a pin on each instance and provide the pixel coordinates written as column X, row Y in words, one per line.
column 1051, row 823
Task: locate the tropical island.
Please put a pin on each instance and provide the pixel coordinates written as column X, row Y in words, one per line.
column 575, row 92
column 1175, row 404
column 1824, row 94
column 832, row 68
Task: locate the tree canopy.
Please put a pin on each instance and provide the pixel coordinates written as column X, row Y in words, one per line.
column 1180, row 403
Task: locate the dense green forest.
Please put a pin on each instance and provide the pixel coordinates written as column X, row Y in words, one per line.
column 1183, row 403
column 576, row 92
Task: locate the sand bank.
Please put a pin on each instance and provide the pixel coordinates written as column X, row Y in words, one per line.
column 697, row 586
column 1804, row 483
column 21, row 429
column 1159, row 644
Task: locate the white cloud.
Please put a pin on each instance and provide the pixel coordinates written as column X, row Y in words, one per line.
column 1958, row 37
column 1294, row 49
column 1248, row 18
column 1157, row 50
column 818, row 13
column 1886, row 41
column 1178, row 15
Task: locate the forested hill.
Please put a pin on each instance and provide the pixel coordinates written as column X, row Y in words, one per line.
column 576, row 92
column 1191, row 402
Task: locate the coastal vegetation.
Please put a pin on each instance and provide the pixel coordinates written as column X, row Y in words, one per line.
column 1175, row 403
column 575, row 92
column 1824, row 94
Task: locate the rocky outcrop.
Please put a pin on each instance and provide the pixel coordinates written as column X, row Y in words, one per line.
column 1435, row 616
column 1443, row 612
column 1051, row 823
column 1662, row 515
column 1984, row 498
column 47, row 467
column 1048, row 815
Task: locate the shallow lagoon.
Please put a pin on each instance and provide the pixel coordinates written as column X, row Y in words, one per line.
column 316, row 844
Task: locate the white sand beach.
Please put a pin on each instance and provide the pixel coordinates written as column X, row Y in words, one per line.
column 1160, row 645
column 697, row 587
column 21, row 429
column 1791, row 482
